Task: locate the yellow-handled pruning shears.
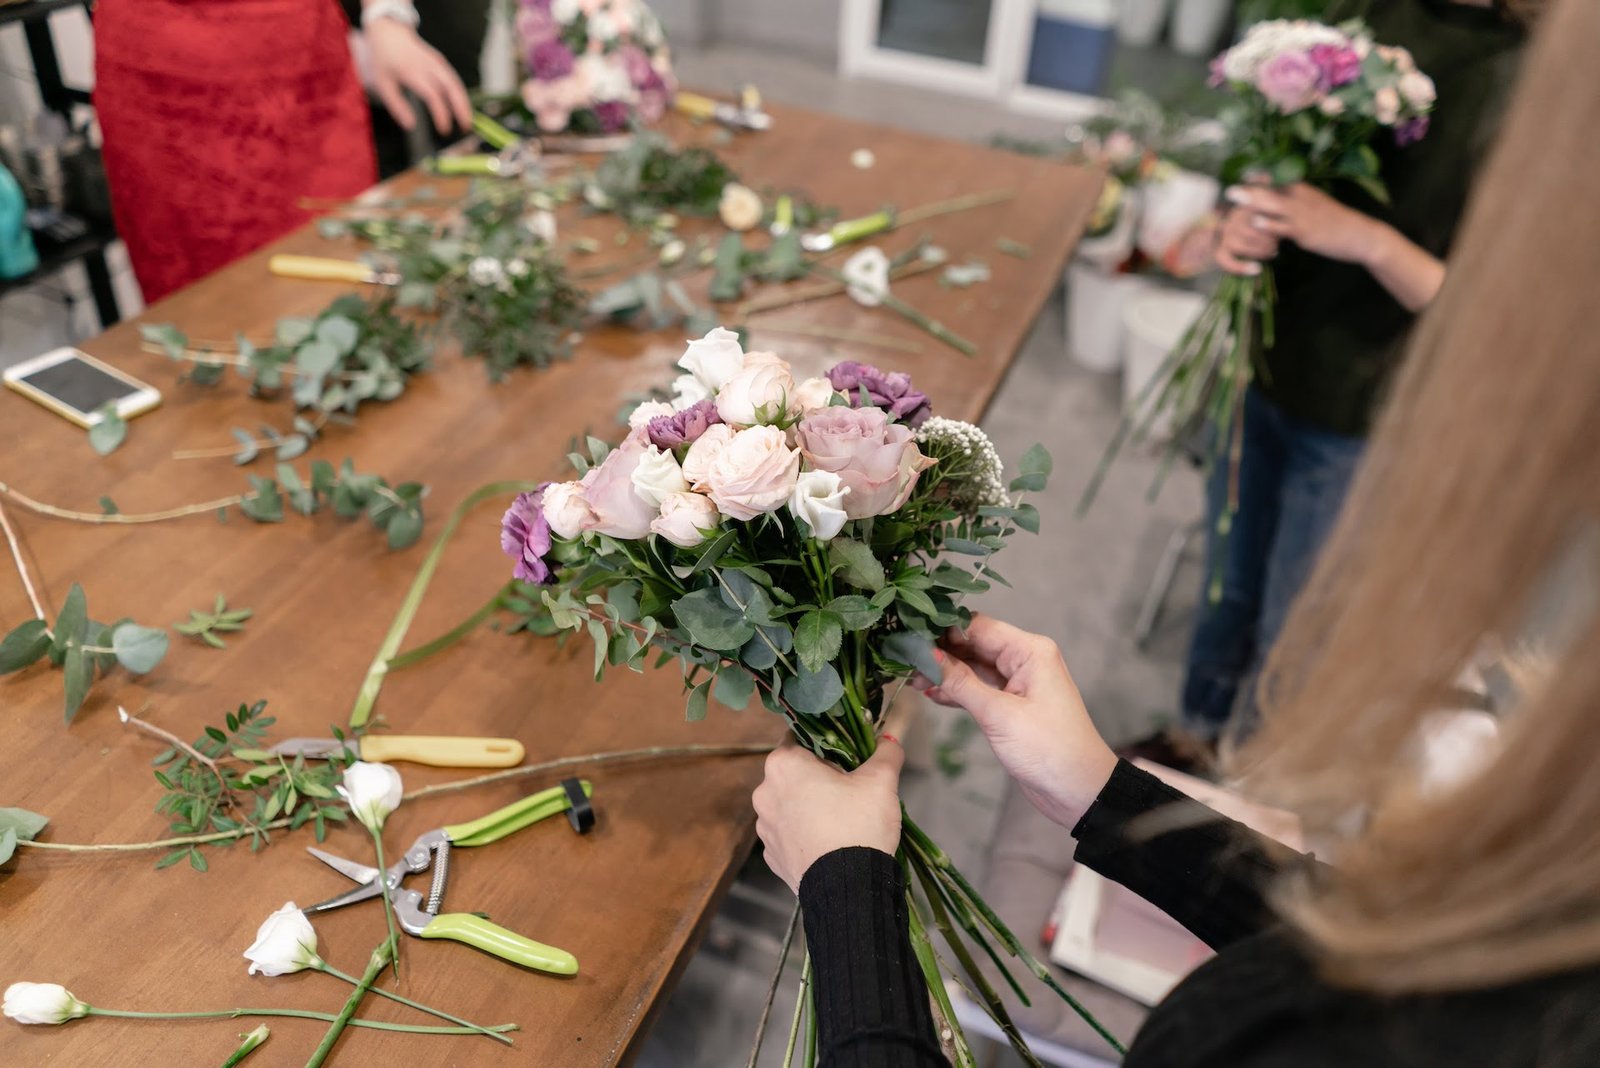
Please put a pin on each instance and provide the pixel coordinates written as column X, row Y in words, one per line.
column 423, row 919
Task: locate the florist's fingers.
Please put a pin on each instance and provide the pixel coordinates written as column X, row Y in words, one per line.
column 422, row 82
column 455, row 93
column 1266, row 201
column 985, row 639
column 897, row 721
column 885, row 764
column 1277, row 227
column 1252, row 243
column 388, row 90
column 1234, row 265
column 962, row 687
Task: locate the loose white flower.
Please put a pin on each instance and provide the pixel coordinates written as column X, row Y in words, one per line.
column 684, row 519
column 1270, row 38
column 866, row 276
column 658, row 475
column 640, row 417
column 672, row 252
column 818, row 498
column 714, row 358
column 863, row 159
column 42, row 1003
column 486, row 271
column 372, row 791
column 740, row 207
column 517, row 268
column 760, row 392
column 285, row 942
column 687, row 391
column 541, row 224
column 812, row 394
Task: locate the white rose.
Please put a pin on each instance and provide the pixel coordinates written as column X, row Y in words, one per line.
column 372, row 791
column 658, row 475
column 812, row 394
column 640, row 417
column 1418, row 90
column 285, row 942
column 760, row 392
column 754, row 473
column 713, row 359
column 697, row 461
column 818, row 498
column 687, row 391
column 683, row 517
column 740, row 207
column 42, row 1003
column 866, row 276
column 606, row 77
column 567, row 510
column 1331, row 106
column 602, row 26
column 564, row 11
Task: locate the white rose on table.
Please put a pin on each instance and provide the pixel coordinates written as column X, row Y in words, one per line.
column 42, row 1003
column 713, row 359
column 372, row 791
column 818, row 498
column 812, row 394
column 760, row 392
column 740, row 207
column 567, row 510
column 640, row 417
column 697, row 461
column 684, row 517
column 657, row 476
column 285, row 942
column 753, row 474
column 866, row 276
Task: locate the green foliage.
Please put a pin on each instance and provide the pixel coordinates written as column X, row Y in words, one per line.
column 650, row 177
column 82, row 648
column 110, row 431
column 245, row 788
column 395, row 510
column 18, row 824
column 209, row 626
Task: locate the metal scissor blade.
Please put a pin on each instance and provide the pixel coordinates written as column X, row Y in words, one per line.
column 361, row 873
column 372, row 879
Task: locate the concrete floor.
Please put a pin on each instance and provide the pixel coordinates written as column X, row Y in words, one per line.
column 1085, row 580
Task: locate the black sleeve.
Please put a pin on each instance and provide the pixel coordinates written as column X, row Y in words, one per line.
column 871, row 1000
column 1208, row 872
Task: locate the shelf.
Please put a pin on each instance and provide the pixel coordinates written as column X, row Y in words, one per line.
column 29, row 10
column 53, row 257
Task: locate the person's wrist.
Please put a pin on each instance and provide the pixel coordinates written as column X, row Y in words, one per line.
column 403, row 12
column 1377, row 242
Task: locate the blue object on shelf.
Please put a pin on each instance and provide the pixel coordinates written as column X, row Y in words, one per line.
column 17, row 254
column 1072, row 56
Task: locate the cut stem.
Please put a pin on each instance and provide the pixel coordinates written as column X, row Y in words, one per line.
column 248, row 1046
column 303, row 1014
column 177, row 743
column 388, row 906
column 451, row 636
column 121, row 517
column 379, row 958
column 22, row 567
column 772, row 988
column 403, row 1000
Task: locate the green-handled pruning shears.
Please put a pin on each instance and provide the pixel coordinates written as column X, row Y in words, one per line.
column 423, row 919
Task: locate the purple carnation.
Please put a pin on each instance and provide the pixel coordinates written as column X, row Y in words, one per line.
column 612, row 115
column 682, row 428
column 890, row 391
column 1411, row 131
column 1339, row 64
column 525, row 537
column 549, row 60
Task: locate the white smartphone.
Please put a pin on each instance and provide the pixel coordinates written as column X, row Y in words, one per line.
column 76, row 386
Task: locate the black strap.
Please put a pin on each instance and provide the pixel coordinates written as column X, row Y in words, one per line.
column 580, row 811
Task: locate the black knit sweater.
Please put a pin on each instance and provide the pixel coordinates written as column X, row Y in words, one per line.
column 1258, row 1004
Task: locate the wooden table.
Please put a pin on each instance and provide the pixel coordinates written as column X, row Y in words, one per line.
column 630, row 899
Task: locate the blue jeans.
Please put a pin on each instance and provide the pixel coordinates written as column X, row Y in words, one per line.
column 1292, row 482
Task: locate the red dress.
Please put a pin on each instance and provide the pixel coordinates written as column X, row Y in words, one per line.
column 218, row 117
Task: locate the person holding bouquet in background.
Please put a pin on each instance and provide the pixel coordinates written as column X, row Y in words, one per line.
column 1352, row 275
column 1457, row 919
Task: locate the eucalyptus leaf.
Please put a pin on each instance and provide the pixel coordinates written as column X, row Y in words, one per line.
column 79, row 672
column 73, row 622
column 339, row 332
column 710, row 622
column 316, row 358
column 8, row 844
column 696, row 709
column 109, row 432
column 404, row 528
column 916, row 651
column 139, row 649
column 25, row 645
column 812, row 693
column 735, row 688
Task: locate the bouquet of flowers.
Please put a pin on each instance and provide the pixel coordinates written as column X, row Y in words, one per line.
column 794, row 541
column 1310, row 100
column 594, row 66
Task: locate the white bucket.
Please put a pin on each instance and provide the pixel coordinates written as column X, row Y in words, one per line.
column 1197, row 24
column 1095, row 302
column 1153, row 323
column 1140, row 22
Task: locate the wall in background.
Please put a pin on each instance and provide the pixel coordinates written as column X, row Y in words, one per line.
column 808, row 29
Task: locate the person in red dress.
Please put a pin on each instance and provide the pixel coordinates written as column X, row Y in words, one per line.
column 220, row 116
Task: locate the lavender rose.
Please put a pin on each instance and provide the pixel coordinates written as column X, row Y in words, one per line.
column 877, row 461
column 525, row 537
column 890, row 391
column 1290, row 80
column 682, row 428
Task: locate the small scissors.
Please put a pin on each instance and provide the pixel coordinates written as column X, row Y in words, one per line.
column 432, row 849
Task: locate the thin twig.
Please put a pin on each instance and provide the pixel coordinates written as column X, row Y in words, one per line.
column 121, row 517
column 772, row 987
column 177, row 743
column 224, row 450
column 22, row 568
column 860, row 337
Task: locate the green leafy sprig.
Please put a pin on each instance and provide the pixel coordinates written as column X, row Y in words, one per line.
column 18, row 825
column 82, row 648
column 205, row 625
column 650, row 177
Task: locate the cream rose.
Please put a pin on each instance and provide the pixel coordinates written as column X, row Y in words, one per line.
column 285, row 942
column 877, row 460
column 567, row 510
column 697, row 461
column 1418, row 90
column 683, row 518
column 812, row 394
column 657, row 476
column 761, row 391
column 372, row 791
column 713, row 359
column 640, row 417
column 818, row 498
column 754, row 473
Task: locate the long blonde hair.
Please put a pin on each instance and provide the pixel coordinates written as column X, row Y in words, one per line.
column 1484, row 471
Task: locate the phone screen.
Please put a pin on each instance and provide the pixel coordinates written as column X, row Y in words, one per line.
column 79, row 385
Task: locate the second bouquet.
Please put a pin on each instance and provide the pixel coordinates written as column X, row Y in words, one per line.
column 798, row 541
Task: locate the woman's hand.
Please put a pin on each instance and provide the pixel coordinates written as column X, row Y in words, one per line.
column 402, row 60
column 807, row 808
column 1310, row 218
column 1017, row 688
column 1241, row 246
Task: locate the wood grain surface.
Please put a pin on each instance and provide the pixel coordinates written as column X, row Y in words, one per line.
column 630, row 899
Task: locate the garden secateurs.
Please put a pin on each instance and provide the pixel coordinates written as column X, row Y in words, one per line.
column 432, row 850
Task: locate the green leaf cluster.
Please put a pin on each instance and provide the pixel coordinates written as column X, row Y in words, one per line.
column 650, row 177
column 395, row 510
column 82, row 648
column 247, row 789
column 209, row 626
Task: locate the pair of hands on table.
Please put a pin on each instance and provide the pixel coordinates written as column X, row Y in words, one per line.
column 1016, row 687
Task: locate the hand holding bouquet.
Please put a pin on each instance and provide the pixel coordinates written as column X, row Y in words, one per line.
column 594, row 67
column 793, row 539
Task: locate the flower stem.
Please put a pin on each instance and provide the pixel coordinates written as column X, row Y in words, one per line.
column 121, row 517
column 248, row 1046
column 22, row 568
column 303, row 1014
column 772, row 987
column 402, row 999
column 380, row 956
column 451, row 636
column 388, row 906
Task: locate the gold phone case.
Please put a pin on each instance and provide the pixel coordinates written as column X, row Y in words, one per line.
column 72, row 415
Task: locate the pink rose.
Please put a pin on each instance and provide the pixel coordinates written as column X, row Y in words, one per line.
column 877, row 461
column 553, row 103
column 697, row 461
column 1339, row 65
column 567, row 510
column 758, row 392
column 683, row 517
column 1386, row 105
column 1290, row 80
column 618, row 509
column 754, row 473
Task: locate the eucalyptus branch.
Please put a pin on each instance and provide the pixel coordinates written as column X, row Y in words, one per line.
column 177, row 743
column 55, row 512
column 22, row 567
